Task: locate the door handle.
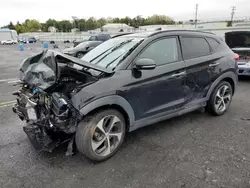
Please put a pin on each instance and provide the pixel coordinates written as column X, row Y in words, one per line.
column 179, row 74
column 213, row 64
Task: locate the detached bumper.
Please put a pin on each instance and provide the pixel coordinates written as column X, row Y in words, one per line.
column 39, row 138
column 243, row 70
column 36, row 132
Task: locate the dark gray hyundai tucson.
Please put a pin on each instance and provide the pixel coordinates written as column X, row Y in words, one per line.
column 125, row 83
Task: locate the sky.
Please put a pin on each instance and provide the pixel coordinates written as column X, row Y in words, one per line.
column 179, row 10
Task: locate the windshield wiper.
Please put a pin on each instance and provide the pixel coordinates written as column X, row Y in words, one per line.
column 115, row 48
column 125, row 55
column 100, row 55
column 121, row 44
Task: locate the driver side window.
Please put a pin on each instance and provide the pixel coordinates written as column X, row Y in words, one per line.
column 162, row 51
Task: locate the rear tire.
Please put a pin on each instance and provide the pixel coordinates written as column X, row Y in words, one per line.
column 220, row 99
column 100, row 136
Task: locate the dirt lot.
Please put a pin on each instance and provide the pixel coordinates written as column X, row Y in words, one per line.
column 195, row 150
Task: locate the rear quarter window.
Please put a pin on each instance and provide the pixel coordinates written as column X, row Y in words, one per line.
column 193, row 47
column 213, row 43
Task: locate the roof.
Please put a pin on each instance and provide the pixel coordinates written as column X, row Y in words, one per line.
column 152, row 33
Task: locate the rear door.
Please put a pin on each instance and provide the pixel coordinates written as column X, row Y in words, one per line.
column 162, row 89
column 199, row 61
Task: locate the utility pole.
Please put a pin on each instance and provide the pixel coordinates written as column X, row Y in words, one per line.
column 232, row 13
column 196, row 12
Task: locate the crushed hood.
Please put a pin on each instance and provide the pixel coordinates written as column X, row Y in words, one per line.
column 41, row 70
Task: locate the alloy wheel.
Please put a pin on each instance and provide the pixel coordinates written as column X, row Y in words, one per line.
column 107, row 135
column 223, row 98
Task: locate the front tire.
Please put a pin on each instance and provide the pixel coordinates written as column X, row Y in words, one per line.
column 220, row 99
column 100, row 136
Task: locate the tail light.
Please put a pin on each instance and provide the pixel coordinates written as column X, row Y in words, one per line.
column 236, row 57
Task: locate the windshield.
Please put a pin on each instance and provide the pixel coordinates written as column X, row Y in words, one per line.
column 110, row 53
column 39, row 70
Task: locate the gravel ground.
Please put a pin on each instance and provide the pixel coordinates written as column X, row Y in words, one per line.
column 195, row 150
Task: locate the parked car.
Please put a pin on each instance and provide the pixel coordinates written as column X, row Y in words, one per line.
column 81, row 49
column 239, row 42
column 123, row 84
column 29, row 40
column 94, row 37
column 4, row 42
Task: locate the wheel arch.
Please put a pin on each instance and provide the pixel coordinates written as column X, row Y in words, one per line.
column 230, row 77
column 108, row 102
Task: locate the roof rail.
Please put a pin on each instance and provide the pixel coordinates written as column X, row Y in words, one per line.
column 171, row 30
column 121, row 34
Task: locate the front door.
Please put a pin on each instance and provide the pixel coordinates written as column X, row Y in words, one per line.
column 163, row 88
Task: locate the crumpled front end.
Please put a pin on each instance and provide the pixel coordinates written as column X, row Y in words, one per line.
column 46, row 100
column 51, row 119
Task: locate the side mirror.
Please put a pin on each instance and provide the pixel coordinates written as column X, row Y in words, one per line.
column 145, row 64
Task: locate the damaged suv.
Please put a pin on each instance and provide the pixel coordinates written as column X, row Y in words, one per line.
column 123, row 84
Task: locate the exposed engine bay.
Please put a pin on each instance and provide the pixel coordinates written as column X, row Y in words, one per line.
column 48, row 82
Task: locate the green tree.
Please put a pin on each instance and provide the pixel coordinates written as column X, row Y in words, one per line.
column 11, row 26
column 101, row 22
column 91, row 23
column 32, row 25
column 116, row 20
column 126, row 20
column 159, row 20
column 82, row 24
column 229, row 23
column 50, row 23
column 66, row 25
column 21, row 29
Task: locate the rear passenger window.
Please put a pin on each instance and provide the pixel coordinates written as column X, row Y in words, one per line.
column 194, row 47
column 213, row 43
column 162, row 51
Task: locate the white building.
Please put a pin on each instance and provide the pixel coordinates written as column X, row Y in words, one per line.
column 52, row 29
column 117, row 27
column 7, row 34
column 74, row 30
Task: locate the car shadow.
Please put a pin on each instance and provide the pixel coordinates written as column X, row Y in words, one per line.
column 244, row 78
column 57, row 157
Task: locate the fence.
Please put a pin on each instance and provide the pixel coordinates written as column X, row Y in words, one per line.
column 46, row 36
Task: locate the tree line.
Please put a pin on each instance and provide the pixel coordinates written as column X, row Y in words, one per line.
column 88, row 24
